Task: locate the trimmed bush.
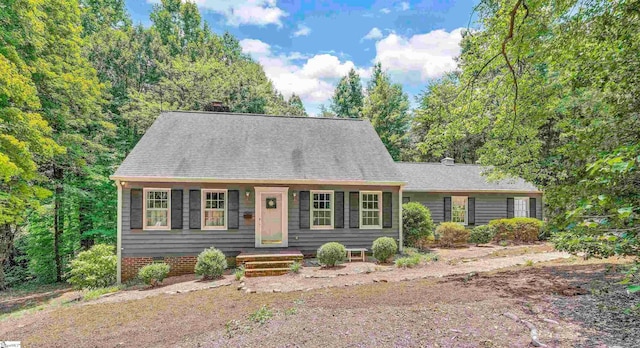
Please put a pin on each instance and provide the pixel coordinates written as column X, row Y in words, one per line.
column 482, row 234
column 451, row 234
column 211, row 263
column 94, row 268
column 383, row 248
column 331, row 253
column 523, row 230
column 154, row 273
column 416, row 223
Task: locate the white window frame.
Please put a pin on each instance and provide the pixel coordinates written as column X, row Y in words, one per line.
column 466, row 209
column 312, row 209
column 360, row 210
column 203, row 201
column 526, row 206
column 145, row 191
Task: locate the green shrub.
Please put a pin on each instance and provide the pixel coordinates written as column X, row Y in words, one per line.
column 482, row 234
column 331, row 253
column 408, row 261
column 383, row 248
column 295, row 267
column 239, row 272
column 520, row 229
column 262, row 315
column 416, row 223
column 211, row 263
column 94, row 268
column 154, row 273
column 451, row 234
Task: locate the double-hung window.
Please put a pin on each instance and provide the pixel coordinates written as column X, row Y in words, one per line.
column 521, row 207
column 214, row 209
column 459, row 209
column 321, row 209
column 370, row 209
column 157, row 205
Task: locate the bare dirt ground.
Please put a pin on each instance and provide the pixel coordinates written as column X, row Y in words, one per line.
column 464, row 310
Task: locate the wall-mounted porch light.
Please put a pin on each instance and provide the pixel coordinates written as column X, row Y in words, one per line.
column 247, row 193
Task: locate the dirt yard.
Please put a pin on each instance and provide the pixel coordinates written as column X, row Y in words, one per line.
column 466, row 309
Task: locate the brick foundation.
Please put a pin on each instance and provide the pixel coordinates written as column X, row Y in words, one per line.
column 180, row 265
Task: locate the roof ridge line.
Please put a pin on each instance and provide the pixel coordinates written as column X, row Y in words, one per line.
column 261, row 115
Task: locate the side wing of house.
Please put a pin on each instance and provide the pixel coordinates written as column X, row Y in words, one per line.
column 174, row 222
column 475, row 209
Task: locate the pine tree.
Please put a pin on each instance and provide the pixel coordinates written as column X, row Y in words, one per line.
column 348, row 99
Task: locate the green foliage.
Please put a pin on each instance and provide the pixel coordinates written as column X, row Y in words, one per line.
column 154, row 273
column 262, row 315
column 94, row 268
column 331, row 253
column 522, row 230
column 295, row 267
column 408, row 261
column 95, row 293
column 211, row 263
column 348, row 99
column 452, row 234
column 239, row 272
column 482, row 234
column 387, row 107
column 384, row 248
column 416, row 222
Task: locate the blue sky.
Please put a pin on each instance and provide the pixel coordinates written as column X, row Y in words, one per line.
column 306, row 46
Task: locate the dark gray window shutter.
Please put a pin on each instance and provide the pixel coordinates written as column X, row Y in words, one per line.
column 509, row 208
column 304, row 209
column 176, row 209
column 532, row 208
column 447, row 209
column 406, row 200
column 471, row 210
column 194, row 209
column 136, row 209
column 338, row 210
column 354, row 209
column 233, row 201
column 387, row 209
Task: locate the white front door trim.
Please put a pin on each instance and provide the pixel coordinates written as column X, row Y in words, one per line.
column 259, row 191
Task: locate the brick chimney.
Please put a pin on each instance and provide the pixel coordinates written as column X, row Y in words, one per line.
column 447, row 161
column 216, row 106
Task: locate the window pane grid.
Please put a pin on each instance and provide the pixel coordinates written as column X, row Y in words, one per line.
column 520, row 206
column 214, row 209
column 370, row 209
column 157, row 208
column 321, row 209
column 459, row 209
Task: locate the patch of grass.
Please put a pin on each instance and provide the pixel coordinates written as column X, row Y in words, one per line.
column 528, row 262
column 239, row 272
column 295, row 267
column 262, row 315
column 31, row 288
column 291, row 311
column 408, row 261
column 95, row 293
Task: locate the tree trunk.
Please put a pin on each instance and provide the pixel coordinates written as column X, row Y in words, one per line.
column 6, row 242
column 58, row 220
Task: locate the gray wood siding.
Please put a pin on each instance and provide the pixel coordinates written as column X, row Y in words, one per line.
column 489, row 206
column 187, row 241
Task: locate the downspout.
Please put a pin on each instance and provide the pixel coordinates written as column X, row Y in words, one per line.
column 401, row 247
column 119, row 233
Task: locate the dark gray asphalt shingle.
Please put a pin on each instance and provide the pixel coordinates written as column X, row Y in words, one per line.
column 457, row 177
column 244, row 146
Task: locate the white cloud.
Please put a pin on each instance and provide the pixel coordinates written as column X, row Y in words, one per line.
column 243, row 12
column 404, row 6
column 313, row 80
column 420, row 57
column 373, row 34
column 385, row 10
column 303, row 30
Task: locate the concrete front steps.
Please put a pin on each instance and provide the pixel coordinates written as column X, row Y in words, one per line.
column 267, row 264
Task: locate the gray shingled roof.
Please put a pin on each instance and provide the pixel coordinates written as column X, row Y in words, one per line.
column 244, row 146
column 457, row 177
